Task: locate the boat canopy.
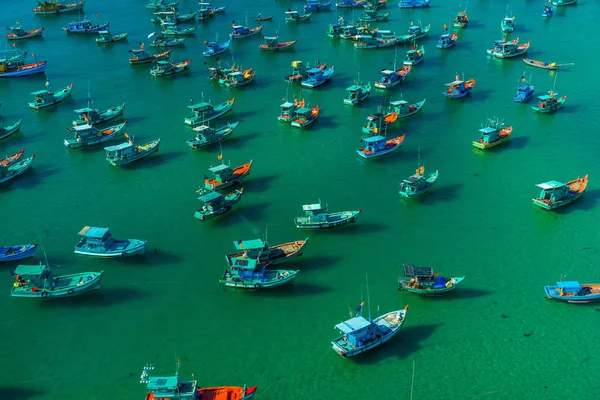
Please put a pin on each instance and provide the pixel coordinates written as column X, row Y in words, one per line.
column 118, row 147
column 413, row 270
column 550, row 185
column 303, row 111
column 166, row 383
column 373, row 139
column 353, row 88
column 104, row 33
column 270, row 38
column 84, row 110
column 30, row 269
column 200, row 106
column 311, row 207
column 40, row 92
column 487, row 130
column 254, row 244
column 287, row 104
column 80, row 128
column 398, row 103
column 219, row 168
column 414, row 29
column 315, row 70
column 244, row 263
column 411, row 180
column 570, row 286
column 93, row 232
column 455, row 83
column 291, row 12
column 386, row 72
column 212, row 196
column 544, row 97
column 164, row 62
column 353, row 325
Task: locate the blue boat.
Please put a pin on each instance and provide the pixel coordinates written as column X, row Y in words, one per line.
column 390, row 78
column 524, row 91
column 378, row 145
column 99, row 242
column 414, row 3
column 12, row 253
column 360, row 334
column 214, row 48
column 240, row 31
column 573, row 292
column 314, row 5
column 85, row 26
column 458, row 88
column 447, row 40
column 548, row 10
column 317, row 76
column 15, row 169
column 349, row 3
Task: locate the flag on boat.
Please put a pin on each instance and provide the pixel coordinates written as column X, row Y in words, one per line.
column 360, row 306
column 220, row 156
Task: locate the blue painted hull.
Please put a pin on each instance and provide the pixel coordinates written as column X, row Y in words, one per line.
column 592, row 293
column 120, row 248
column 23, row 71
column 13, row 253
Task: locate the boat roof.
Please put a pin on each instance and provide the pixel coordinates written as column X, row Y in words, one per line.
column 454, row 83
column 238, row 27
column 412, row 179
column 83, row 127
column 373, row 139
column 244, row 262
column 201, row 128
column 84, row 110
column 270, row 38
column 569, row 285
column 40, row 92
column 163, row 62
column 303, row 110
column 487, row 129
column 353, row 88
column 414, row 28
column 162, row 382
column 93, row 232
column 103, row 32
column 291, row 12
column 313, row 70
column 386, row 72
column 253, row 244
column 374, row 116
column 235, row 73
column 398, row 102
column 287, row 104
column 309, row 207
column 120, row 146
column 219, row 168
column 550, row 185
column 30, row 269
column 353, row 324
column 544, row 97
column 210, row 196
column 200, row 106
column 413, row 270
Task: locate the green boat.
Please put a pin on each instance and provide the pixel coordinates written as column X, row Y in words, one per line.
column 15, row 169
column 205, row 135
column 247, row 273
column 318, row 217
column 258, row 249
column 549, row 102
column 47, row 98
column 39, row 282
column 204, row 112
column 404, row 109
column 216, row 204
column 127, row 152
column 89, row 116
column 87, row 135
column 10, row 129
column 170, row 28
column 107, row 37
column 418, row 184
column 357, row 93
column 557, row 194
column 224, row 176
column 493, row 134
column 422, row 280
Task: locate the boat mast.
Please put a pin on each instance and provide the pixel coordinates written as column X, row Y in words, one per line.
column 368, row 298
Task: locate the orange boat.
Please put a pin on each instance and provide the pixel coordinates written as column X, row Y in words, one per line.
column 9, row 160
column 225, row 176
column 19, row 33
column 271, row 44
column 227, row 393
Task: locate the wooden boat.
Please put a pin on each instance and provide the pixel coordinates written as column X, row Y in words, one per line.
column 376, row 146
column 99, row 242
column 8, row 70
column 314, row 5
column 549, row 102
column 107, row 37
column 48, row 7
column 214, row 48
column 390, row 78
column 559, row 3
column 85, row 26
column 224, row 176
column 493, row 134
column 271, row 44
column 350, row 3
column 127, row 152
column 418, row 184
column 525, row 91
column 205, row 135
column 87, row 135
column 16, row 169
column 240, row 31
column 573, row 292
column 508, row 23
column 414, row 56
column 95, row 117
column 461, row 20
column 18, row 33
column 161, row 4
column 217, row 73
column 446, row 39
column 288, row 109
column 235, row 79
column 377, row 123
column 548, row 10
column 216, row 204
column 509, row 49
column 370, row 42
column 259, row 250
column 404, row 109
column 557, row 194
column 458, row 88
column 318, row 217
column 47, row 98
column 39, row 282
column 168, row 68
column 414, row 3
column 317, row 76
column 247, row 273
column 10, row 129
column 305, row 116
column 294, row 16
column 414, row 32
column 373, row 16
column 204, row 112
column 422, row 280
column 205, row 14
column 360, row 334
column 357, row 93
column 13, row 253
column 164, row 41
column 10, row 160
column 260, row 18
column 173, row 16
column 541, row 64
column 300, row 71
column 172, row 29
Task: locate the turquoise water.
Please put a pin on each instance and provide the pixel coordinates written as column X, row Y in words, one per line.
column 477, row 221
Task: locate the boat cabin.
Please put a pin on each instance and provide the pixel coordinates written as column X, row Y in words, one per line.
column 424, row 278
column 271, row 41
column 212, row 200
column 235, row 77
column 553, row 191
column 245, row 268
column 93, row 238
column 388, row 76
column 119, row 150
column 315, row 212
column 83, row 131
column 251, row 247
column 375, row 123
column 287, row 107
column 402, row 107
column 201, row 110
column 43, row 96
column 461, row 18
column 355, row 92
column 375, row 144
column 548, row 101
column 413, row 184
column 416, row 31
column 489, row 134
column 315, row 74
column 88, row 114
column 221, row 173
column 204, row 132
column 414, row 56
column 170, row 387
column 303, row 113
column 357, row 330
column 35, row 276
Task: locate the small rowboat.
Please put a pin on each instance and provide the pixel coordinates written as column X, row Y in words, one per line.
column 19, row 33
column 12, row 253
column 271, row 44
column 573, row 292
column 21, row 70
column 268, row 18
column 540, row 64
column 9, row 160
column 9, row 130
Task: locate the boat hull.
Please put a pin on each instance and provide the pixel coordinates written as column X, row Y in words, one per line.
column 59, row 96
column 555, row 205
column 485, row 146
column 13, row 253
column 87, row 282
column 121, row 248
column 227, row 392
column 9, row 130
column 25, row 70
column 403, row 285
column 18, row 169
column 276, row 278
column 115, row 131
column 334, row 220
column 553, row 292
column 276, row 255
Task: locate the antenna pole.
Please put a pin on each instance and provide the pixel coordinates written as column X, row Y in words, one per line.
column 368, row 298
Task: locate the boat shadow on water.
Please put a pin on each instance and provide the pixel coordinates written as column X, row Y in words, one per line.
column 458, row 294
column 359, row 227
column 240, row 213
column 260, row 183
column 587, row 201
column 239, row 141
column 29, row 179
column 20, row 392
column 442, row 193
column 293, row 290
column 104, row 297
column 153, row 160
column 309, row 264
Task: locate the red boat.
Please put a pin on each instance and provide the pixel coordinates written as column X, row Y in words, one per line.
column 12, row 159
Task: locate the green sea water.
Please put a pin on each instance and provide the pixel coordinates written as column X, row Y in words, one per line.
column 478, row 221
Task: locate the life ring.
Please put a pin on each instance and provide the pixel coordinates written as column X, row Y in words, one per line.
column 344, row 222
column 338, row 223
column 70, row 291
column 279, row 277
column 352, row 219
column 44, row 294
column 257, row 286
column 124, row 254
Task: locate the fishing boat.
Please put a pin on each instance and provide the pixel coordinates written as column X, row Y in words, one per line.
column 168, row 68
column 376, row 146
column 212, row 8
column 204, row 112
column 127, row 152
column 92, row 116
column 354, row 32
column 172, row 29
column 305, row 116
column 493, row 134
column 418, row 184
column 524, row 91
column 247, row 273
column 458, row 88
column 161, row 4
column 173, row 16
column 370, row 42
column 390, row 78
column 162, row 40
column 317, row 76
column 414, row 56
column 414, row 3
column 205, row 135
column 350, row 3
column 260, row 18
column 314, row 5
column 294, row 16
column 375, row 4
column 47, row 98
column 216, row 74
column 10, row 160
column 503, row 49
column 216, row 203
column 288, row 109
column 107, row 37
column 557, row 194
column 259, row 250
column 272, row 44
column 87, row 135
column 85, row 26
column 508, row 23
column 205, row 14
column 240, row 32
column 39, row 282
column 13, row 253
column 360, row 334
column 9, row 69
column 461, row 20
column 377, row 123
column 224, row 176
column 447, row 40
column 548, row 10
column 300, row 71
column 48, row 7
column 415, row 32
column 371, row 15
column 15, row 169
column 318, row 217
column 357, row 93
column 541, row 64
column 214, row 48
column 405, row 109
column 235, row 79
column 573, row 292
column 549, row 102
column 6, row 131
column 173, row 388
column 18, row 33
column 422, row 280
column 99, row 242
column 559, row 3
